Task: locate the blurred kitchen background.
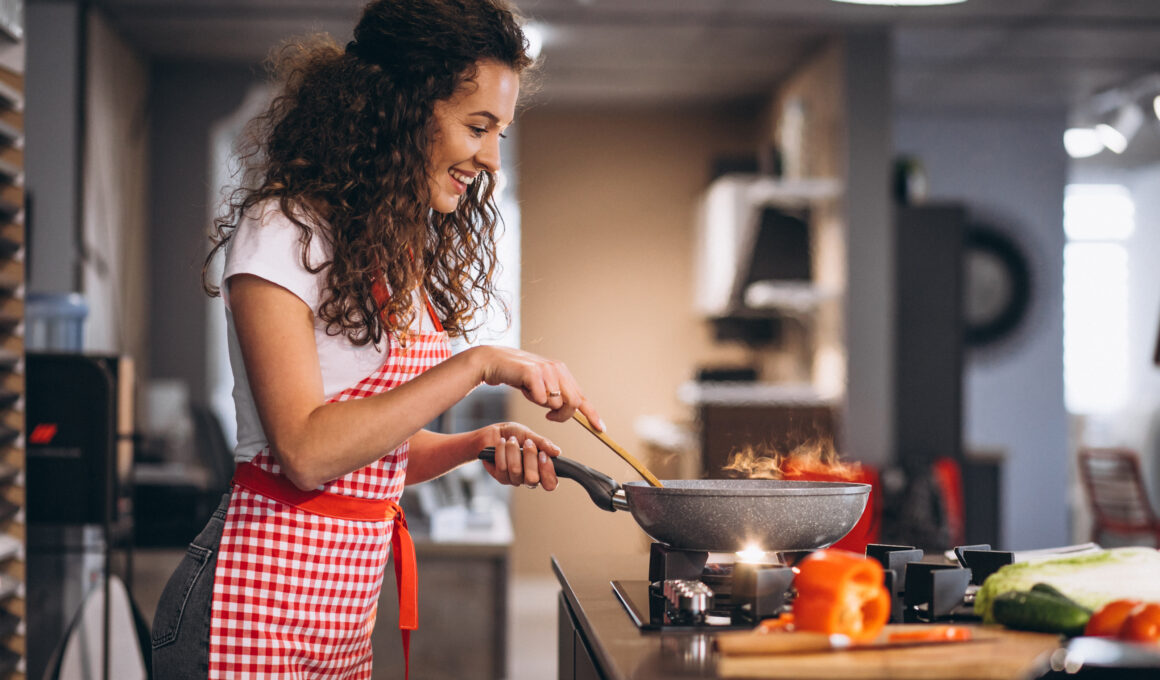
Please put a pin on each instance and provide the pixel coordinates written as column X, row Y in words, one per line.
column 766, row 223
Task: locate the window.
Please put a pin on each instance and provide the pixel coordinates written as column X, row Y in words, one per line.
column 1097, row 219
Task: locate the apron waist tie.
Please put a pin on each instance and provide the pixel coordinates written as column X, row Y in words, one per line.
column 277, row 487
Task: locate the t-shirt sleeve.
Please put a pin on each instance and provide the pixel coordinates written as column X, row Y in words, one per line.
column 270, row 248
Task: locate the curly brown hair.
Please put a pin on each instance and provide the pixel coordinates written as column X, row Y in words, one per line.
column 345, row 144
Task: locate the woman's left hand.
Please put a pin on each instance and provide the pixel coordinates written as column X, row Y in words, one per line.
column 522, row 457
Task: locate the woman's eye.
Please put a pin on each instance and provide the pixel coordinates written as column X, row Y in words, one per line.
column 478, row 131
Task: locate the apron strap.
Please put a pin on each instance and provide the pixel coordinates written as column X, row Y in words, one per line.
column 406, row 583
column 381, row 294
column 277, row 487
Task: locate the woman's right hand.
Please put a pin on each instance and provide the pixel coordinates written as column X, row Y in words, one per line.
column 543, row 381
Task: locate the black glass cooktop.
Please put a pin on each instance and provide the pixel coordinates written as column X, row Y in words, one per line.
column 647, row 609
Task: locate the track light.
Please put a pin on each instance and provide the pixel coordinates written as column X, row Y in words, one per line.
column 1082, row 142
column 1119, row 129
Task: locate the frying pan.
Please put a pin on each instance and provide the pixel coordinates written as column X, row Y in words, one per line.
column 727, row 515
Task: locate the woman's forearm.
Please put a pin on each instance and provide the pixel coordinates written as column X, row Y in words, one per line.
column 434, row 454
column 340, row 437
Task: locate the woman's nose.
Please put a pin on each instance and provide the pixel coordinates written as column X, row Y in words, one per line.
column 488, row 154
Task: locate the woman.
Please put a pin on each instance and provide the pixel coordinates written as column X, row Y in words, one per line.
column 363, row 238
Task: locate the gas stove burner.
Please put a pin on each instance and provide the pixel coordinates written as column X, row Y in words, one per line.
column 717, row 574
column 665, row 563
column 687, row 591
column 760, row 591
column 694, row 590
column 922, row 591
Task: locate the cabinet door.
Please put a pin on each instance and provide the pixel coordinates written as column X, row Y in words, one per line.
column 566, row 640
column 585, row 665
column 575, row 659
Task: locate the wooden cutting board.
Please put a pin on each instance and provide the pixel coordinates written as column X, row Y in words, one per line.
column 994, row 654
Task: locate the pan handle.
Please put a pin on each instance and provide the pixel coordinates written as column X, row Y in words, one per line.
column 604, row 491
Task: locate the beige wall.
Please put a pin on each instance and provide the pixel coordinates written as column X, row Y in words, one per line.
column 607, row 204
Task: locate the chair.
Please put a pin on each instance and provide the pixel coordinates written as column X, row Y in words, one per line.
column 1116, row 493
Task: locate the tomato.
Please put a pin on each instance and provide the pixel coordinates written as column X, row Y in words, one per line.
column 1143, row 624
column 1110, row 618
column 840, row 592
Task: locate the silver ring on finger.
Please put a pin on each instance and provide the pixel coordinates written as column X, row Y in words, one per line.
column 556, row 393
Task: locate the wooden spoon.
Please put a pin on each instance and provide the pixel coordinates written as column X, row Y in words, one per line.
column 628, row 457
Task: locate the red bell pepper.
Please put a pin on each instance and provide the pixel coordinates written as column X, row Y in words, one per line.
column 840, row 592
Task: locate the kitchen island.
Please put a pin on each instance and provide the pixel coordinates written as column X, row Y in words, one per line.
column 599, row 641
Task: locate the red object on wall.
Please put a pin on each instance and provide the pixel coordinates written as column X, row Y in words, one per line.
column 949, row 477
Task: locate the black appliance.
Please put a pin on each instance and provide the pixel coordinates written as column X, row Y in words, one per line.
column 79, row 424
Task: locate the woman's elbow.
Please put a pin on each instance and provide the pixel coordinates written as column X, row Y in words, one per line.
column 297, row 468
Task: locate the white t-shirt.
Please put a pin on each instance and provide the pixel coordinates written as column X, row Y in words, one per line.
column 269, row 247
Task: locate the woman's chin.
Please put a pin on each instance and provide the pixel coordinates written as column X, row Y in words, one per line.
column 445, row 204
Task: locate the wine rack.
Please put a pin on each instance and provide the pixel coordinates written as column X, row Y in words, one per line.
column 12, row 387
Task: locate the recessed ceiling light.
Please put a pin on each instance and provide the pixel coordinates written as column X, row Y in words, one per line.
column 902, row 3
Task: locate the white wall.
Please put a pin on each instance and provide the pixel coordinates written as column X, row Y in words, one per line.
column 1012, row 167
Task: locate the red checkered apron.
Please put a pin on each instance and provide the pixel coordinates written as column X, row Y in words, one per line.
column 299, row 573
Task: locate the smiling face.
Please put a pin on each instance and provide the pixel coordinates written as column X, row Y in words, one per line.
column 467, row 133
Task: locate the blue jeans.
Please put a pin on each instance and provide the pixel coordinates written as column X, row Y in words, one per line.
column 181, row 624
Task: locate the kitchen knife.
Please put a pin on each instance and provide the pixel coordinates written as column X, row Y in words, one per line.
column 800, row 642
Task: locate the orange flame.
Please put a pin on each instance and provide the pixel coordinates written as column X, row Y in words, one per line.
column 814, row 460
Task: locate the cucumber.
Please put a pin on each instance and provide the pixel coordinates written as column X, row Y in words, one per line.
column 1039, row 611
column 1049, row 589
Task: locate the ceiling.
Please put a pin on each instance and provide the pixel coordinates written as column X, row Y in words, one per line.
column 982, row 55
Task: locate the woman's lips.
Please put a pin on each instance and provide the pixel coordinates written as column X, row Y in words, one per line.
column 457, row 179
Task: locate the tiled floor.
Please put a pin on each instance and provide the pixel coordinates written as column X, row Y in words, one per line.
column 532, row 628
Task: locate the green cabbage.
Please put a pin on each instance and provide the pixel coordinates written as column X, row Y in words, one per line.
column 1091, row 579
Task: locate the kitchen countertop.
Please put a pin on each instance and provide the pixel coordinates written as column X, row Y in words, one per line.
column 618, row 647
column 623, row 652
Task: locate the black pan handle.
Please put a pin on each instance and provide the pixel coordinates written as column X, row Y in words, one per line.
column 600, row 487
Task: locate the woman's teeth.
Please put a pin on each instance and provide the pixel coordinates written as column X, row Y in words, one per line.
column 462, row 178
